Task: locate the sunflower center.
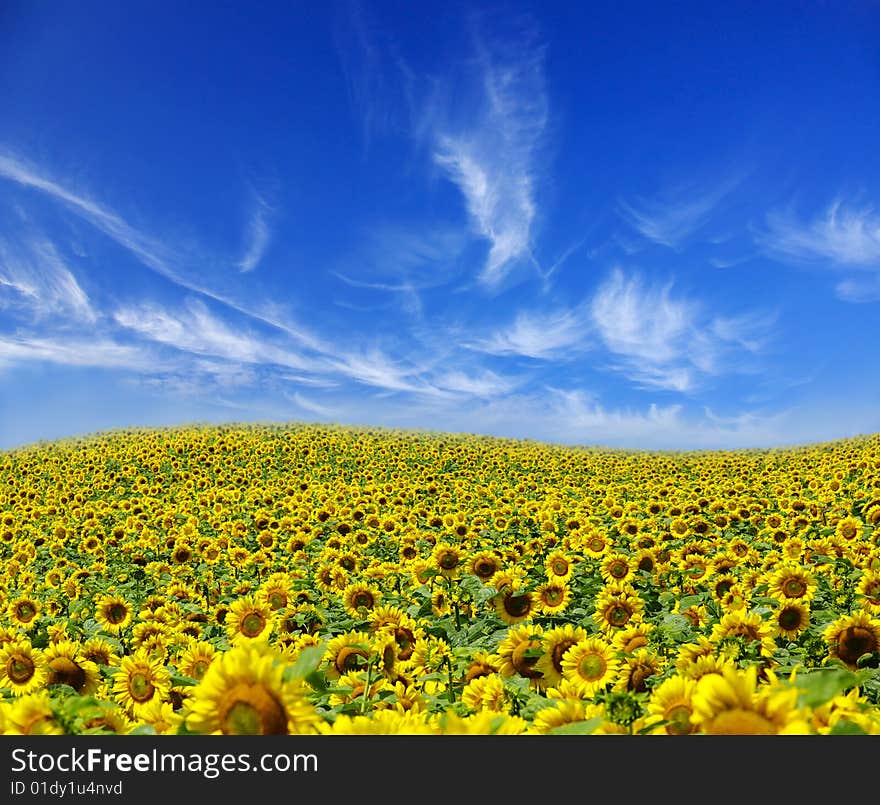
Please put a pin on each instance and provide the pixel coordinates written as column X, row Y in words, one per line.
column 66, row 672
column 517, row 606
column 349, row 659
column 141, row 687
column 25, row 611
column 854, row 642
column 638, row 678
column 252, row 624
column 636, row 641
column 559, row 567
column 405, row 642
column 617, row 614
column 251, row 710
column 591, row 667
column 618, row 569
column 388, row 658
column 723, row 587
column 790, row 618
column 679, row 718
column 116, row 613
column 522, row 663
column 448, row 560
column 363, row 599
column 198, row 668
column 553, row 596
column 277, row 600
column 794, row 588
column 20, row 668
column 558, row 650
column 739, row 722
column 484, row 569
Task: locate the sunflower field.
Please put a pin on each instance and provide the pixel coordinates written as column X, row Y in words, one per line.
column 304, row 579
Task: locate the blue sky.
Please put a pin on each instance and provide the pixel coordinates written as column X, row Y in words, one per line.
column 629, row 224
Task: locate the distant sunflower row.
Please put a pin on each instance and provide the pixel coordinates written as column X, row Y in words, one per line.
column 303, row 579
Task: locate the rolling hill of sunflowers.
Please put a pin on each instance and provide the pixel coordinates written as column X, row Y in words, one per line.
column 273, row 579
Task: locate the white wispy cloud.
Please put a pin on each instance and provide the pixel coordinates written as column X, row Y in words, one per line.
column 844, row 236
column 859, row 289
column 667, row 342
column 150, row 252
column 195, row 330
column 42, row 281
column 492, row 156
column 544, row 336
column 81, row 351
column 673, row 217
column 258, row 236
column 326, row 412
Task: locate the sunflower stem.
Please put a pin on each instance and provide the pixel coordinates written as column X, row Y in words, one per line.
column 365, row 697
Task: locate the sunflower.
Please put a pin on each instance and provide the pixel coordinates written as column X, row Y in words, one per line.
column 483, row 722
column 849, row 528
column 637, row 668
column 100, row 652
column 671, row 702
column 66, row 665
column 196, row 658
column 590, row 664
column 482, row 663
column 629, row 639
column 484, row 565
column 852, row 636
column 248, row 621
column 447, row 559
column 552, row 598
column 275, row 592
column 514, row 605
column 792, row 582
column 559, row 567
column 746, row 625
column 22, row 667
column 617, row 568
column 731, row 704
column 791, row 619
column 347, row 652
column 161, row 716
column 360, row 598
column 24, row 611
column 555, row 642
column 352, row 687
column 519, row 651
column 868, row 591
column 33, row 714
column 486, row 693
column 617, row 607
column 381, row 722
column 404, row 627
column 563, row 712
column 139, row 680
column 384, row 648
column 113, row 613
column 109, row 718
column 595, row 545
column 243, row 692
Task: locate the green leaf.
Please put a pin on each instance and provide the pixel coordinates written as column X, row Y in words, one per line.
column 308, row 661
column 586, row 727
column 844, row 727
column 821, row 686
